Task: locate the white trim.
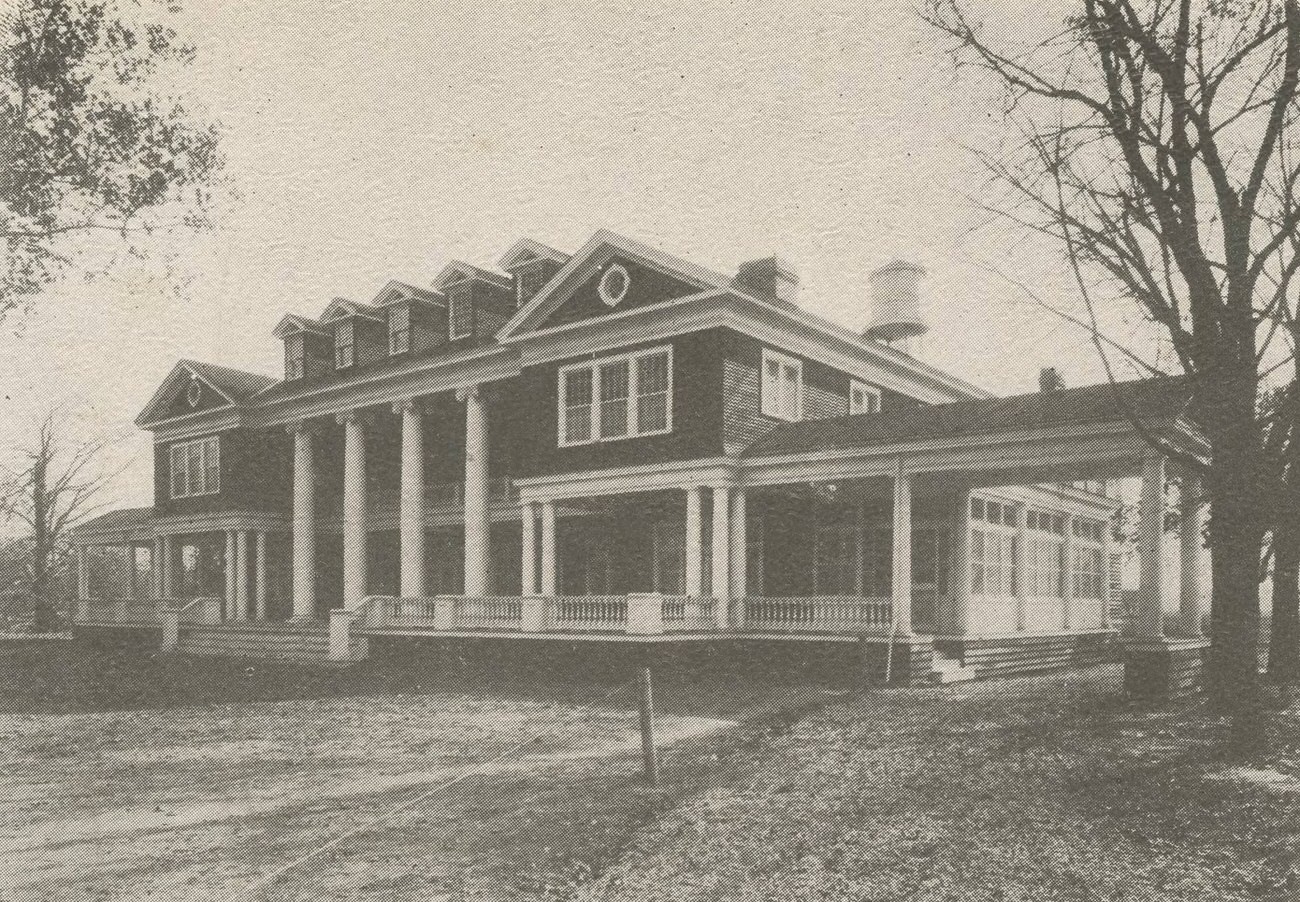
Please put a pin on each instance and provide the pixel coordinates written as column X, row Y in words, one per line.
column 596, row 251
column 608, row 297
column 868, row 391
column 773, row 326
column 152, row 409
column 770, row 403
column 594, row 366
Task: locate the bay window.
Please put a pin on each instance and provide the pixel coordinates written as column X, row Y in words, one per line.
column 616, row 397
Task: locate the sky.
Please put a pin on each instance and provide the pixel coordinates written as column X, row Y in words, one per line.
column 374, row 140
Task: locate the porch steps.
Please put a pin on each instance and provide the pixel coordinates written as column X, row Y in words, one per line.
column 280, row 641
column 946, row 670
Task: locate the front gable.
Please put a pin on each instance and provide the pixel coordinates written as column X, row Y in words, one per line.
column 183, row 392
column 574, row 293
column 645, row 285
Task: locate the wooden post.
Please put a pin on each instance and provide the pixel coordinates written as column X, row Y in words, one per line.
column 648, row 751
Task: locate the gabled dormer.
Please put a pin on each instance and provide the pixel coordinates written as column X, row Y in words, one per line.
column 308, row 348
column 416, row 318
column 479, row 301
column 360, row 333
column 531, row 266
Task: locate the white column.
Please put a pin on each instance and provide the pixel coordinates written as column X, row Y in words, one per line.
column 477, row 520
column 721, row 554
column 1067, row 575
column 528, row 561
column 412, row 502
column 168, row 566
column 83, row 573
column 902, row 552
column 156, row 563
column 961, row 572
column 739, row 541
column 695, row 541
column 1022, row 563
column 260, row 593
column 1195, row 588
column 304, row 524
column 241, row 575
column 354, row 509
column 550, row 564
column 1149, row 615
column 231, row 567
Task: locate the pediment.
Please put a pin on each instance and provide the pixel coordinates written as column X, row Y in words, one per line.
column 184, row 392
column 633, row 275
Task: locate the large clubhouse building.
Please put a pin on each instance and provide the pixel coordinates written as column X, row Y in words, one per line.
column 619, row 445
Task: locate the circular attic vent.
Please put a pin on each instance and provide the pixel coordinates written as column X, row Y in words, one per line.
column 614, row 285
column 194, row 394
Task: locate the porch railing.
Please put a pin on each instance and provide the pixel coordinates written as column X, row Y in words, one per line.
column 818, row 614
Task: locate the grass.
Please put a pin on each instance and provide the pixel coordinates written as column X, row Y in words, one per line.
column 1035, row 788
column 131, row 777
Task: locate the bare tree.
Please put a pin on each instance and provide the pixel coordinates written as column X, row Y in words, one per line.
column 91, row 143
column 1156, row 143
column 57, row 486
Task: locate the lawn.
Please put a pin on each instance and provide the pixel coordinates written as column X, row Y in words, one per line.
column 1036, row 788
column 131, row 777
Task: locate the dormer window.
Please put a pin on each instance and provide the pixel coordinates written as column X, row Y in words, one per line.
column 295, row 357
column 863, row 398
column 460, row 317
column 345, row 348
column 399, row 329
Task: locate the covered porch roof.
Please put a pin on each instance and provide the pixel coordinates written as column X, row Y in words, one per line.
column 1093, row 432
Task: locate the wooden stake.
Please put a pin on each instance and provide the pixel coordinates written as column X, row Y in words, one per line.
column 648, row 750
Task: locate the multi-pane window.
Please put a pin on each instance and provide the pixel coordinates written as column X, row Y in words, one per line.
column 399, row 329
column 345, row 348
column 1045, row 555
column 575, row 411
column 863, row 398
column 195, row 467
column 461, row 316
column 295, row 357
column 1088, row 569
column 616, row 397
column 993, row 547
column 782, row 387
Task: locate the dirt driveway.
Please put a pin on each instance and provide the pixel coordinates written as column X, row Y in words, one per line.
column 202, row 802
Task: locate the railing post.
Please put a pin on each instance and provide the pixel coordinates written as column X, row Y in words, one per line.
column 645, row 614
column 444, row 612
column 341, row 634
column 532, row 614
column 171, row 628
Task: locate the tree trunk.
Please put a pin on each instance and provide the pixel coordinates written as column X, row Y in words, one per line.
column 1237, row 530
column 1284, row 637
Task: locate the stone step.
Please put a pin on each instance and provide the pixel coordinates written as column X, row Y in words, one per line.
column 946, row 670
column 272, row 641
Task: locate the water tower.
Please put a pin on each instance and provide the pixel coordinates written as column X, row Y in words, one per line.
column 896, row 305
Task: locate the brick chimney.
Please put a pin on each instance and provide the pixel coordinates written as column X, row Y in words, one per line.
column 770, row 278
column 1050, row 379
